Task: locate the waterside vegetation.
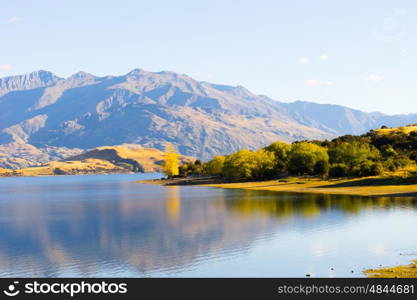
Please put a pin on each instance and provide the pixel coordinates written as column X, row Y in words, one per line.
column 379, row 163
column 379, row 152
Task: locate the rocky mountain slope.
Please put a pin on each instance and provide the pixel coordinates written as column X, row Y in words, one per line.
column 42, row 115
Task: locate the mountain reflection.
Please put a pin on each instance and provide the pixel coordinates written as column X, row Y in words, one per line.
column 118, row 228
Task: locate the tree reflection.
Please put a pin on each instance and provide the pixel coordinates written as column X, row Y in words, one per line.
column 286, row 205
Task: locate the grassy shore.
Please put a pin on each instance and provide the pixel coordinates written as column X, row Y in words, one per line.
column 409, row 271
column 393, row 186
column 370, row 186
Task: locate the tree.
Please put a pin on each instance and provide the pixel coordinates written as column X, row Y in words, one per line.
column 352, row 153
column 246, row 164
column 322, row 168
column 281, row 151
column 367, row 168
column 308, row 158
column 357, row 158
column 183, row 170
column 265, row 163
column 171, row 162
column 239, row 165
column 215, row 166
column 339, row 170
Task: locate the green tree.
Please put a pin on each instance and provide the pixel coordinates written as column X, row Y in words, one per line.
column 215, row 166
column 367, row 168
column 265, row 164
column 246, row 164
column 338, row 170
column 281, row 151
column 239, row 165
column 358, row 158
column 353, row 153
column 308, row 158
column 183, row 170
column 322, row 168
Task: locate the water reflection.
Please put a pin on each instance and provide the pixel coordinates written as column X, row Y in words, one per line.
column 173, row 203
column 283, row 205
column 109, row 226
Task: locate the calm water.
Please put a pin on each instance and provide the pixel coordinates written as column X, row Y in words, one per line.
column 108, row 226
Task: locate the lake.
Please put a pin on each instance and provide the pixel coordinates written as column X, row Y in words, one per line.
column 110, row 226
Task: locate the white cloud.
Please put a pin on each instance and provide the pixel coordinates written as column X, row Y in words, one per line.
column 303, row 60
column 6, row 67
column 13, row 20
column 312, row 82
column 324, row 57
column 373, row 79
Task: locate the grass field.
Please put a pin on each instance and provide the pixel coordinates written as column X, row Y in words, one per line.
column 403, row 129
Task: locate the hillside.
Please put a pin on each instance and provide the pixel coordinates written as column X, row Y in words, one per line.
column 19, row 154
column 44, row 117
column 111, row 159
column 403, row 130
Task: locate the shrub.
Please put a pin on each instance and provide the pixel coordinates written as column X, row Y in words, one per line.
column 377, row 169
column 183, row 170
column 58, row 171
column 322, row 168
column 339, row 170
column 367, row 168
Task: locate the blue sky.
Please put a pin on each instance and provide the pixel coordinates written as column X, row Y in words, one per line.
column 356, row 53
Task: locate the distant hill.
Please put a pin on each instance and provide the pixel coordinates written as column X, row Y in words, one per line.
column 406, row 130
column 19, row 154
column 110, row 159
column 44, row 117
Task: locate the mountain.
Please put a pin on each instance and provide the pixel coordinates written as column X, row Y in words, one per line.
column 45, row 113
column 24, row 82
column 339, row 120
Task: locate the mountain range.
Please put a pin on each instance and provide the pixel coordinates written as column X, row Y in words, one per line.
column 45, row 117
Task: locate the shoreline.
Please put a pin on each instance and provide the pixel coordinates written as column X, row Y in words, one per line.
column 402, row 271
column 366, row 187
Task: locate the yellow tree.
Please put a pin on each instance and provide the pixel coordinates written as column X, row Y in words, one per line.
column 171, row 161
